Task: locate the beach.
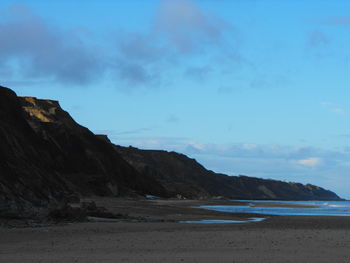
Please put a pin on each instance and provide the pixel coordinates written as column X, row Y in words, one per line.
column 154, row 235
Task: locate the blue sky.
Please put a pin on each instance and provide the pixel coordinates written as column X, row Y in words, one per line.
column 259, row 88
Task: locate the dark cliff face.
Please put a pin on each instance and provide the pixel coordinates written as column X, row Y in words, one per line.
column 89, row 163
column 182, row 175
column 45, row 157
column 27, row 177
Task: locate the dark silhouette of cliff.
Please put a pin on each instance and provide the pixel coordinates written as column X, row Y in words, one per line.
column 185, row 176
column 47, row 159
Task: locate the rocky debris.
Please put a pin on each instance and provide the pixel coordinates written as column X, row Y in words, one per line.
column 99, row 211
column 83, row 212
column 67, row 213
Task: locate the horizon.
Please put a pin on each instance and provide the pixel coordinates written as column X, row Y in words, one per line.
column 254, row 88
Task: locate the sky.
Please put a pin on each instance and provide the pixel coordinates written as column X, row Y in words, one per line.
column 246, row 87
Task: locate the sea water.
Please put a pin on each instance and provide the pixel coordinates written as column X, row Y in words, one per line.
column 320, row 208
column 252, row 219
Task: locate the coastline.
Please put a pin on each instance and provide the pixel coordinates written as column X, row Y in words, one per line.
column 161, row 239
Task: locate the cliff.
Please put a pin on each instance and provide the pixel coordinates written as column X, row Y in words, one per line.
column 46, row 158
column 185, row 176
column 28, row 181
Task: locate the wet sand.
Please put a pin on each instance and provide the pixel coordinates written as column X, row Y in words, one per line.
column 161, row 239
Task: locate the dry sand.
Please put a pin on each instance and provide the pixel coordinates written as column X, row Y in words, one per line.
column 277, row 239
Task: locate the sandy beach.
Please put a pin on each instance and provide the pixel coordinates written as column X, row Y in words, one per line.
column 157, row 237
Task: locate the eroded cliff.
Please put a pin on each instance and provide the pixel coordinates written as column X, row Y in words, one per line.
column 46, row 158
column 182, row 175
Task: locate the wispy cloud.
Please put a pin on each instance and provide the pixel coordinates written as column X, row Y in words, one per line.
column 291, row 155
column 317, row 38
column 135, row 73
column 310, row 162
column 198, row 73
column 113, row 133
column 172, row 119
column 32, row 48
column 326, row 103
column 225, row 90
column 333, row 107
column 35, row 49
column 180, row 31
column 153, row 142
column 339, row 111
column 342, row 20
column 184, row 25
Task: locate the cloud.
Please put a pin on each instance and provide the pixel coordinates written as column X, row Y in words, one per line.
column 225, row 90
column 290, row 155
column 152, row 142
column 139, row 47
column 195, row 147
column 250, row 150
column 21, row 83
column 180, row 27
column 318, row 38
column 115, row 134
column 173, row 119
column 134, row 73
column 326, row 103
column 338, row 111
column 198, row 73
column 32, row 48
column 344, row 20
column 183, row 24
column 333, row 107
column 180, row 31
column 310, row 162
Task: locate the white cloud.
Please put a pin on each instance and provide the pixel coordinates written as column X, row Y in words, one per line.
column 326, row 103
column 333, row 107
column 249, row 146
column 310, row 162
column 195, row 146
column 338, row 110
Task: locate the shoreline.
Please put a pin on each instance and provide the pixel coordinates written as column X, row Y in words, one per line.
column 173, row 210
column 161, row 239
column 165, row 210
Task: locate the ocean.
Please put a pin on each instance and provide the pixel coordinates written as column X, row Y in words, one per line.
column 322, row 208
